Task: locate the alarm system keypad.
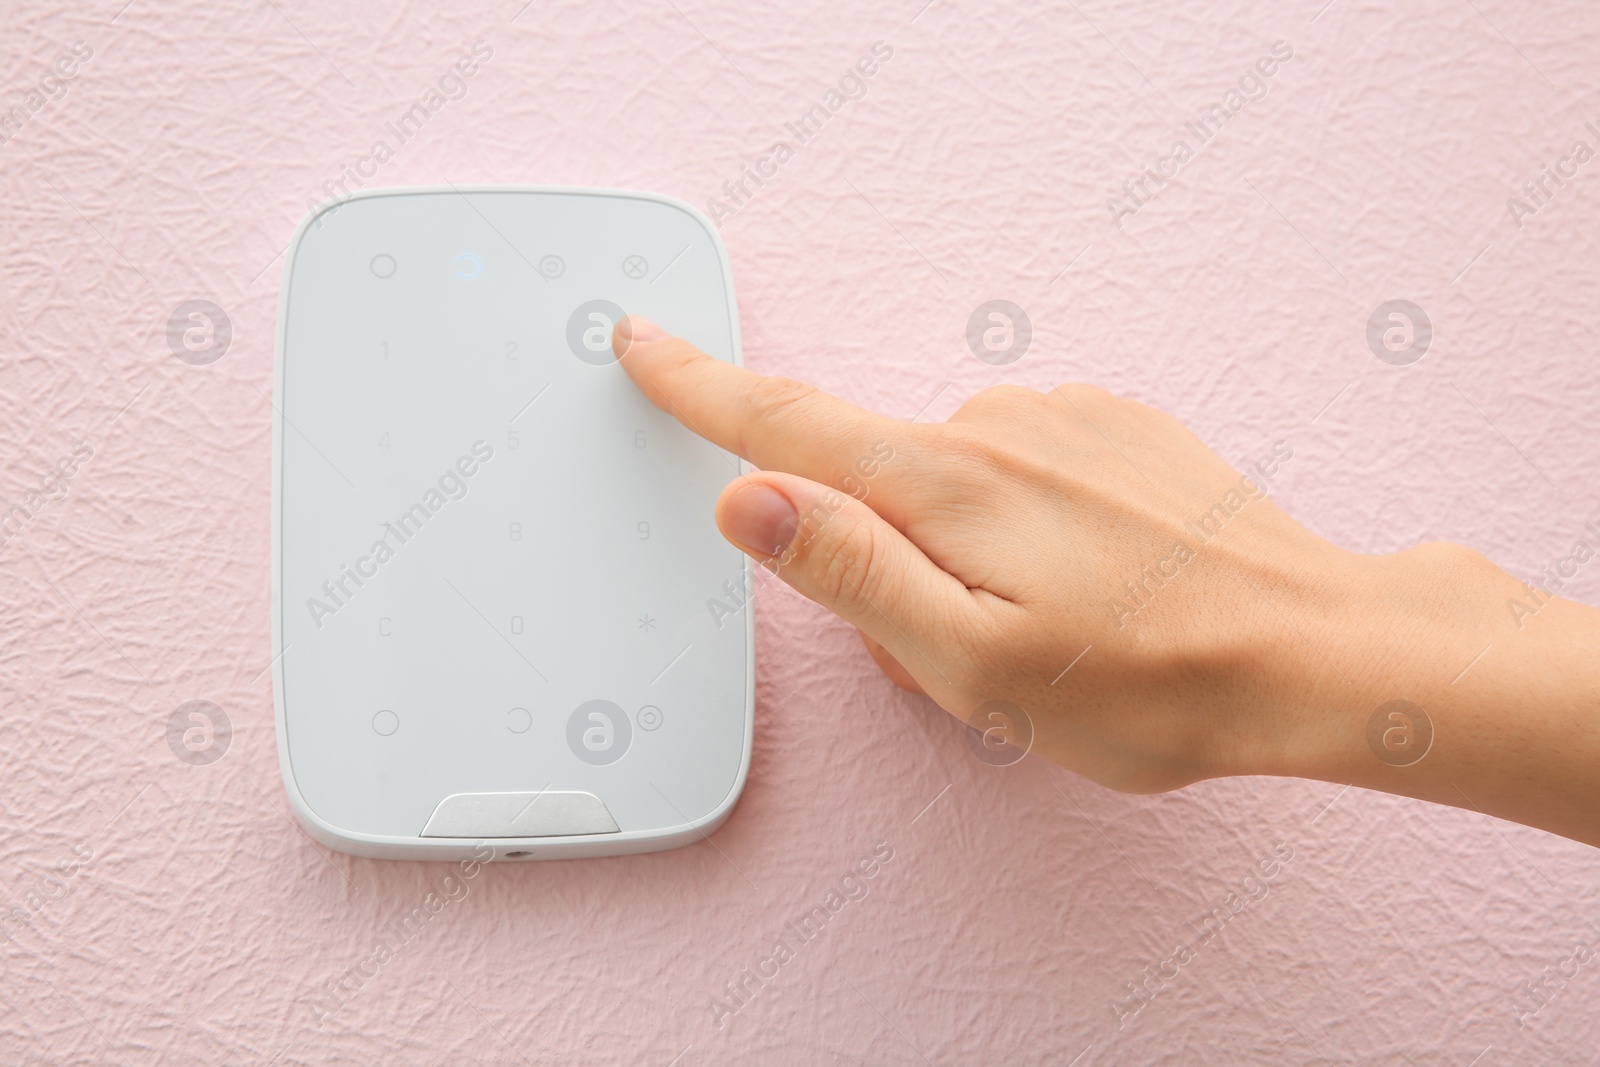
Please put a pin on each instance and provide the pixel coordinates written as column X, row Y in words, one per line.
column 499, row 566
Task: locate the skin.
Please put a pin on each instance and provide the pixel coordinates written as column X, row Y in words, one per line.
column 990, row 552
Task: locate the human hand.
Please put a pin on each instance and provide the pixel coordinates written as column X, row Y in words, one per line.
column 1207, row 633
column 992, row 550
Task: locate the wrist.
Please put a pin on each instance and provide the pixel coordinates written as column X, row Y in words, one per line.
column 1503, row 679
column 1432, row 684
column 1361, row 678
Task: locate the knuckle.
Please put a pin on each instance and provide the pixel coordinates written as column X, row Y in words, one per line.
column 1007, row 393
column 976, row 464
column 772, row 398
column 1084, row 395
column 1456, row 560
column 974, row 456
column 967, row 448
column 683, row 359
column 999, row 400
column 841, row 562
column 769, row 400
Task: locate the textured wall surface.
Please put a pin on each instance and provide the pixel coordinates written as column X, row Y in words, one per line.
column 158, row 911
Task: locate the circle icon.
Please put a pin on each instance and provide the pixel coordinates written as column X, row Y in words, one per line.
column 649, row 717
column 385, row 723
column 383, row 265
column 999, row 332
column 199, row 733
column 589, row 331
column 1400, row 733
column 519, row 721
column 999, row 733
column 636, row 266
column 552, row 267
column 199, row 332
column 468, row 266
column 598, row 732
column 1399, row 332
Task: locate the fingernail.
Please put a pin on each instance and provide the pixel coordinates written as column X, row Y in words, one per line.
column 760, row 518
column 639, row 328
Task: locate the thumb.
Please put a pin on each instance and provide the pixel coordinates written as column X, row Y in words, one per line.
column 836, row 551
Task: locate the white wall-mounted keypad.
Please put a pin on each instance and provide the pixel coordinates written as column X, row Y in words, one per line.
column 495, row 556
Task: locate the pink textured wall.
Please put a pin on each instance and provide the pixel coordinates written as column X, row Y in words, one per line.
column 159, row 911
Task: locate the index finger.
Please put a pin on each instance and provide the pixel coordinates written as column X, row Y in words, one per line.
column 776, row 423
